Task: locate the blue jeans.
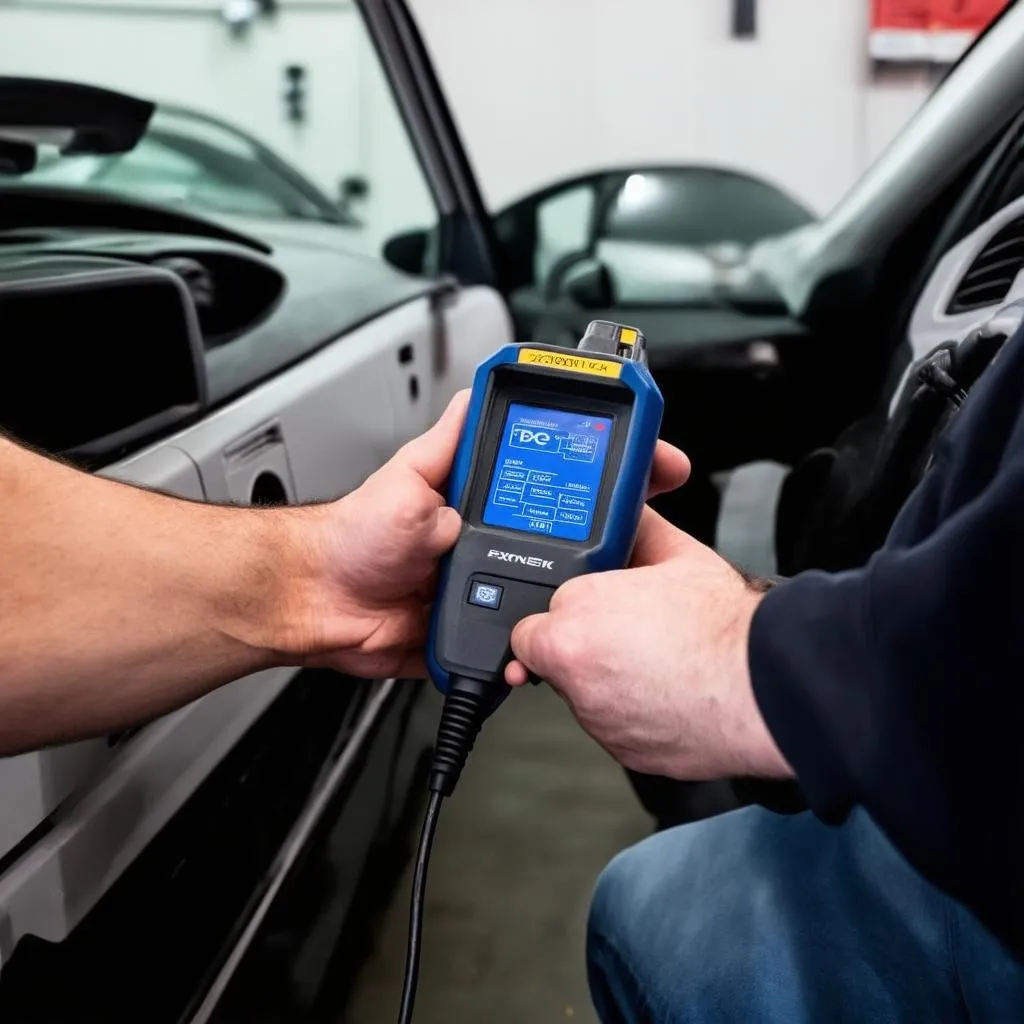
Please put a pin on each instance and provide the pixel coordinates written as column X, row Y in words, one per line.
column 756, row 918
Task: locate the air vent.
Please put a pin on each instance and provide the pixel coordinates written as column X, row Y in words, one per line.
column 196, row 277
column 232, row 292
column 992, row 274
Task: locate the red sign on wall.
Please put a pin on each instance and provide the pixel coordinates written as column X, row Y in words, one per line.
column 928, row 30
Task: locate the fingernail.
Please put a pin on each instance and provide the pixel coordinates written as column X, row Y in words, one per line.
column 447, row 518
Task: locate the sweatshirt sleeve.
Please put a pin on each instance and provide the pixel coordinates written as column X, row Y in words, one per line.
column 900, row 688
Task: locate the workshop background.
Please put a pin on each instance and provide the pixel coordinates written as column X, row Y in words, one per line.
column 804, row 93
column 540, row 89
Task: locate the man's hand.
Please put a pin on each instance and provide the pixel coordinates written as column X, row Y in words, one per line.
column 372, row 557
column 653, row 660
column 372, row 560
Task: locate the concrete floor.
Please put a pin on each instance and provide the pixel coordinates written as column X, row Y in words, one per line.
column 539, row 811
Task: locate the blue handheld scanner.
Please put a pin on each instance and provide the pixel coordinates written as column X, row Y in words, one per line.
column 550, row 477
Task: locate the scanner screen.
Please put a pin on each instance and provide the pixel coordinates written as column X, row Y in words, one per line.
column 548, row 471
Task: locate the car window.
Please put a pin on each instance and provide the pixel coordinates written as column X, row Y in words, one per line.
column 159, row 171
column 563, row 226
column 289, row 125
column 699, row 207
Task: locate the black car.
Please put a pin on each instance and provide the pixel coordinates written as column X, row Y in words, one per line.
column 667, row 236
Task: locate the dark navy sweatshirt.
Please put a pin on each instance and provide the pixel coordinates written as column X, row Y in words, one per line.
column 899, row 687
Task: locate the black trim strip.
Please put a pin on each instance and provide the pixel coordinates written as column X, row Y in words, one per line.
column 469, row 248
column 292, row 848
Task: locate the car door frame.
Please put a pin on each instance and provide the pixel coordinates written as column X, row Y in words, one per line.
column 468, row 247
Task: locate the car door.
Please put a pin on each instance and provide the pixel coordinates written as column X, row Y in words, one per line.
column 666, row 240
column 542, row 236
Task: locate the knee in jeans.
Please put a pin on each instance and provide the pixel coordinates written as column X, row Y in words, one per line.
column 652, row 889
column 614, row 904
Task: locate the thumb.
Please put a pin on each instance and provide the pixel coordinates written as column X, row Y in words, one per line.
column 442, row 532
column 657, row 540
column 431, row 454
column 671, row 469
column 531, row 646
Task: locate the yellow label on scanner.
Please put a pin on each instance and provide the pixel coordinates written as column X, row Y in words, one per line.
column 574, row 362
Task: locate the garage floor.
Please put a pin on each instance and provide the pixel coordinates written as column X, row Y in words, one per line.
column 539, row 811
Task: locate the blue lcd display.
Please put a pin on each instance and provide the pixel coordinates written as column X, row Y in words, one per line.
column 548, row 472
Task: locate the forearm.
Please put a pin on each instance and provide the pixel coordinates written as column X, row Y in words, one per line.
column 118, row 604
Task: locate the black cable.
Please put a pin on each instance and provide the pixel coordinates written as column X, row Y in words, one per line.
column 466, row 705
column 419, row 889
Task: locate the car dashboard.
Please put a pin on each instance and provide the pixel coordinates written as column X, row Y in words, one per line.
column 973, row 281
column 197, row 319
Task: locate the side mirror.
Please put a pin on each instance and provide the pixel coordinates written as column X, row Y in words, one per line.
column 589, row 284
column 407, row 251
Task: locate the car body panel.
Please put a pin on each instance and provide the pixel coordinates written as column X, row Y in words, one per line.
column 106, row 824
column 34, row 784
column 321, row 428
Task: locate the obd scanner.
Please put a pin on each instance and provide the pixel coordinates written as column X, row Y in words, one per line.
column 550, row 477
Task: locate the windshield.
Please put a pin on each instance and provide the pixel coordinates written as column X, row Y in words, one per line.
column 967, row 113
column 188, row 159
column 700, row 207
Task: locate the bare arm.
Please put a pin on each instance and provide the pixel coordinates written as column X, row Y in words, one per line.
column 117, row 604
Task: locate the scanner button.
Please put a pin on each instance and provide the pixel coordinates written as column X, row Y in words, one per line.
column 485, row 595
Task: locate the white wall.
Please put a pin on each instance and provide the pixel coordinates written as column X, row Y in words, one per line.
column 544, row 88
